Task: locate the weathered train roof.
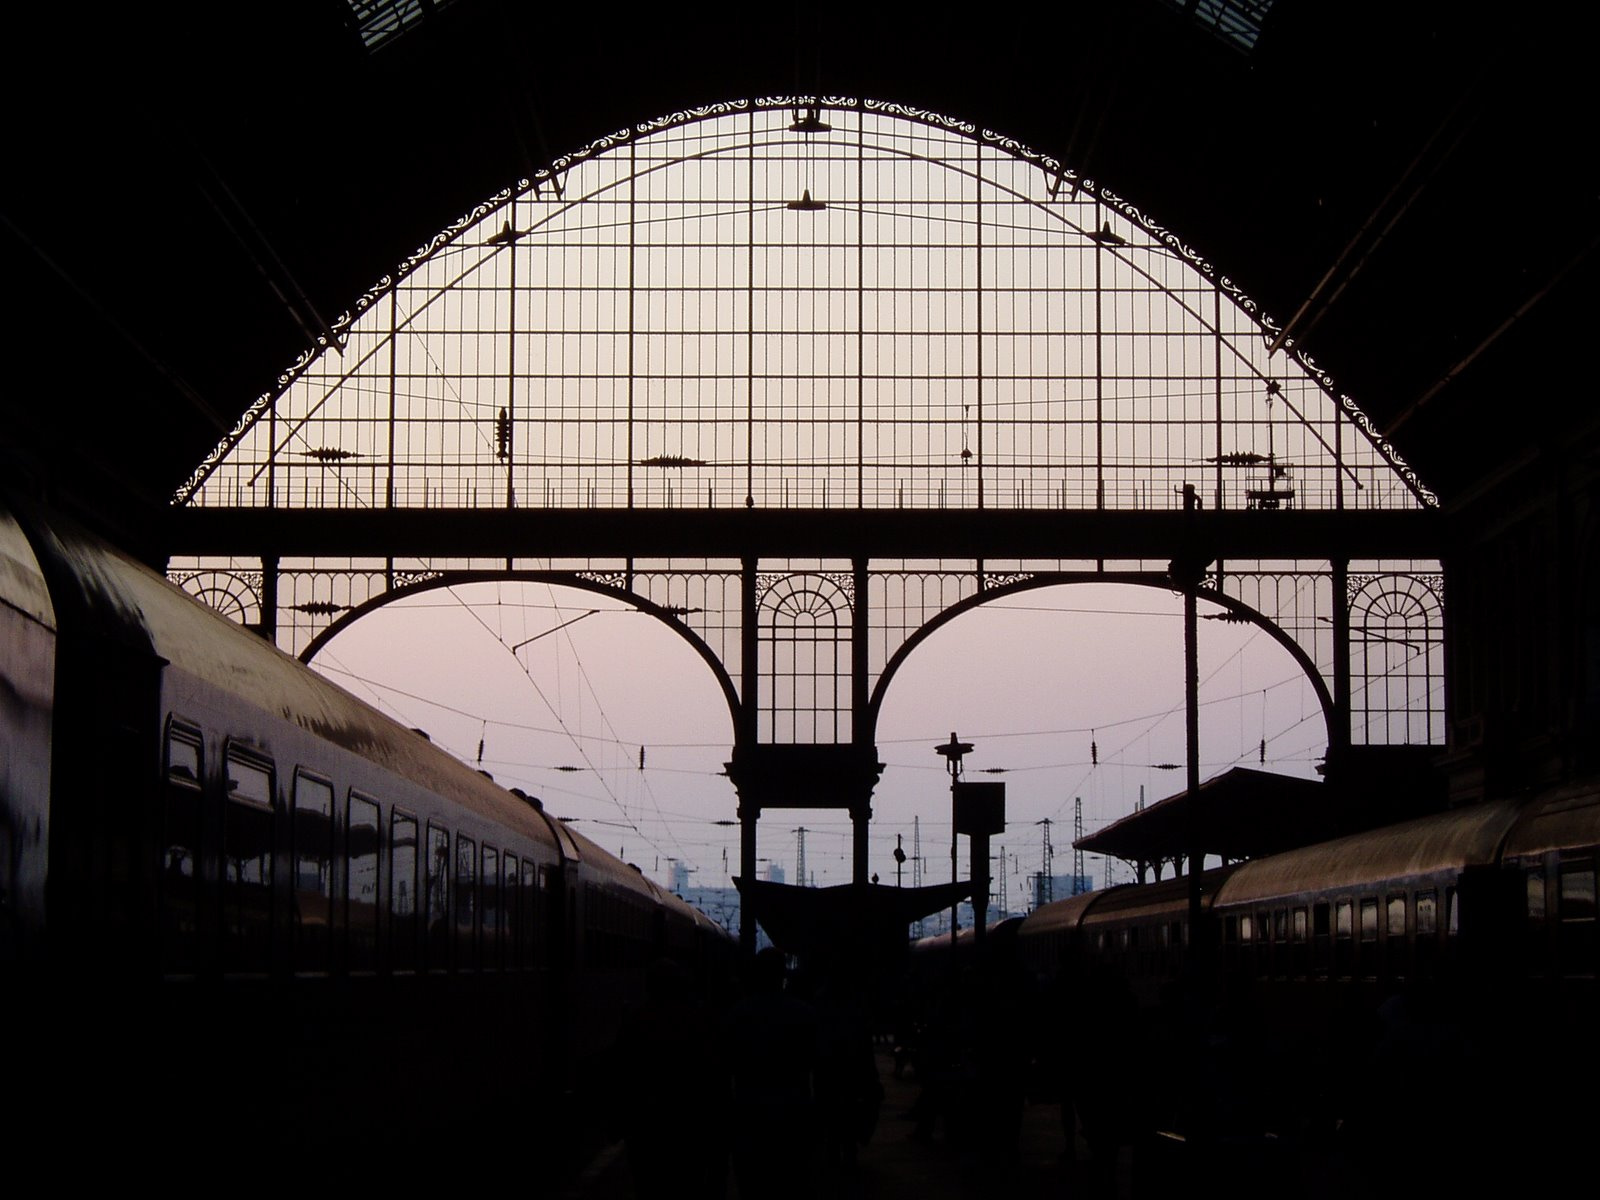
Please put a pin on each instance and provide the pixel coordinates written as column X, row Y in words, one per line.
column 1566, row 819
column 21, row 584
column 128, row 602
column 1061, row 915
column 1411, row 849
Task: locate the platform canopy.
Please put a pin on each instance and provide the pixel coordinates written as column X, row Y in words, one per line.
column 851, row 921
column 1241, row 813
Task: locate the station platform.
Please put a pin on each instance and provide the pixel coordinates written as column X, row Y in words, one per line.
column 900, row 1162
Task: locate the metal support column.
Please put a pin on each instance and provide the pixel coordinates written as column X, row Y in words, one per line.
column 268, row 628
column 1339, row 734
column 746, row 735
column 1187, row 575
column 861, row 822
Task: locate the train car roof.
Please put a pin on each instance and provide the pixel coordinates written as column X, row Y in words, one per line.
column 1566, row 819
column 1059, row 915
column 141, row 605
column 1127, row 901
column 22, row 584
column 1442, row 842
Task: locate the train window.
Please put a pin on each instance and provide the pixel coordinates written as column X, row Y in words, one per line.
column 183, row 755
column 1344, row 919
column 1576, row 898
column 1280, row 925
column 547, row 930
column 403, row 892
column 510, row 917
column 312, row 833
column 437, row 899
column 1264, row 926
column 489, row 900
column 363, row 841
column 1452, row 909
column 1535, row 887
column 1396, row 916
column 1427, row 914
column 1298, row 931
column 466, row 896
column 529, row 925
column 1577, row 893
column 180, row 849
column 247, row 865
column 249, row 782
column 1247, row 929
column 1369, row 920
column 1319, row 919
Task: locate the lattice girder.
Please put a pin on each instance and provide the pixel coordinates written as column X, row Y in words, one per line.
column 812, row 685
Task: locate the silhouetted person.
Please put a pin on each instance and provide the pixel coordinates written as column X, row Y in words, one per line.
column 772, row 1049
column 848, row 1092
column 675, row 1090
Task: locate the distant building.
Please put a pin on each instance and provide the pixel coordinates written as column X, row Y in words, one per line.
column 775, row 873
column 680, row 876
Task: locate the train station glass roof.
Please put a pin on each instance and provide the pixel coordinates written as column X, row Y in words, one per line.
column 804, row 303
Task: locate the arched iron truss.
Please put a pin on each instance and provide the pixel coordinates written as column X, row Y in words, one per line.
column 805, row 377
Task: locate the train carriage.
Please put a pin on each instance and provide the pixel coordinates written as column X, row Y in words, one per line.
column 246, row 909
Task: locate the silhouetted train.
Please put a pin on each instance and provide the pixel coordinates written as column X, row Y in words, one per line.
column 1501, row 888
column 244, row 913
column 1379, row 1009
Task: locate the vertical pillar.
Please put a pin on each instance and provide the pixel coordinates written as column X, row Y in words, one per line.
column 749, row 813
column 1339, row 735
column 1187, row 574
column 980, row 888
column 861, row 822
column 268, row 628
column 861, row 732
column 1191, row 705
column 745, row 740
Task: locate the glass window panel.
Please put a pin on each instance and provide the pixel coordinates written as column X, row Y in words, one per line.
column 1247, row 928
column 1427, row 914
column 1577, row 892
column 403, row 892
column 313, row 873
column 1299, row 929
column 466, row 897
column 183, row 756
column 1397, row 916
column 1344, row 913
column 1535, row 889
column 249, row 783
column 363, row 845
column 1369, row 920
column 438, row 898
column 247, row 860
column 489, row 907
column 510, row 917
column 180, row 852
